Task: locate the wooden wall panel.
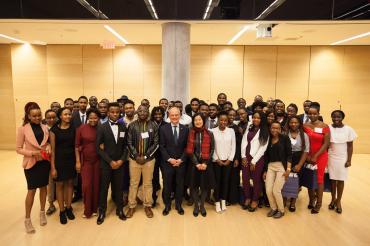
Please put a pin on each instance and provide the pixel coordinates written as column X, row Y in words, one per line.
column 97, row 72
column 64, row 69
column 128, row 72
column 259, row 72
column 152, row 73
column 7, row 125
column 292, row 74
column 356, row 93
column 325, row 83
column 227, row 72
column 29, row 78
column 200, row 72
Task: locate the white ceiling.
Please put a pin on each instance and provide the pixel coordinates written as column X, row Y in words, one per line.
column 202, row 32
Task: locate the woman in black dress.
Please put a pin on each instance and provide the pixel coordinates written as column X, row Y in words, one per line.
column 200, row 148
column 234, row 187
column 32, row 143
column 63, row 162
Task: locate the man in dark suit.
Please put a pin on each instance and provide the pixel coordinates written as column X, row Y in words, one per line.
column 78, row 118
column 173, row 139
column 304, row 117
column 112, row 148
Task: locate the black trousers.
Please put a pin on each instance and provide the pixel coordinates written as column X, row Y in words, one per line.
column 222, row 175
column 108, row 175
column 170, row 174
column 155, row 181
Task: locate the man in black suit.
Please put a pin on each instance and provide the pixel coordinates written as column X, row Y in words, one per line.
column 112, row 148
column 173, row 139
column 79, row 118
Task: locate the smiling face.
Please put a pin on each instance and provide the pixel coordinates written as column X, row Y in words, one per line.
column 35, row 116
column 113, row 113
column 337, row 119
column 231, row 116
column 275, row 129
column 204, row 110
column 93, row 119
column 198, row 121
column 174, row 115
column 313, row 114
column 129, row 109
column 212, row 111
column 256, row 119
column 82, row 104
column 158, row 116
column 194, row 106
column 241, row 103
column 222, row 121
column 291, row 111
column 294, row 124
column 143, row 113
column 243, row 115
column 103, row 109
column 164, row 104
column 221, row 99
column 66, row 116
column 51, row 118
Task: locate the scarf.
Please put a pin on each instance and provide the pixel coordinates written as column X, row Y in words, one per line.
column 205, row 142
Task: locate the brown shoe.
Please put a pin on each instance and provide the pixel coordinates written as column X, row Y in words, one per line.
column 148, row 212
column 130, row 212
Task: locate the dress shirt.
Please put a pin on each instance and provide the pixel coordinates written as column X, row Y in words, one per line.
column 225, row 144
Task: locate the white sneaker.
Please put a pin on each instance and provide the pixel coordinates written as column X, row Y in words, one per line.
column 29, row 227
column 43, row 220
column 223, row 205
column 218, row 207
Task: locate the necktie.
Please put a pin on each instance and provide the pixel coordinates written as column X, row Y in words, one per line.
column 83, row 119
column 212, row 123
column 175, row 134
column 113, row 123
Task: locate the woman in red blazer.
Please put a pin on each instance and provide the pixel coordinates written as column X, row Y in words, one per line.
column 32, row 143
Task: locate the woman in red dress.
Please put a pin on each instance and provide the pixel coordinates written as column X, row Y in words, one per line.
column 319, row 135
column 87, row 162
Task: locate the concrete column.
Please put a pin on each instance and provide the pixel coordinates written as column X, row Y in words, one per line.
column 176, row 61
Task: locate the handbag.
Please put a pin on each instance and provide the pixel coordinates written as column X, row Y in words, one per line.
column 327, row 182
column 309, row 176
column 291, row 186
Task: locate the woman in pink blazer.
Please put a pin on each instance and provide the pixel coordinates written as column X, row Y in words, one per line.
column 32, row 143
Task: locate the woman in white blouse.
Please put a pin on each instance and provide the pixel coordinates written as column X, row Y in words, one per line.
column 340, row 155
column 223, row 157
column 254, row 145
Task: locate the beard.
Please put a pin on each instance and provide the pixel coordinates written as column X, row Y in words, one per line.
column 280, row 114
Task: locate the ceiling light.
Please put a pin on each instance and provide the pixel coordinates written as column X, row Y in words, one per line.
column 14, row 39
column 274, row 5
column 209, row 8
column 89, row 7
column 241, row 32
column 116, row 34
column 151, row 9
column 351, row 38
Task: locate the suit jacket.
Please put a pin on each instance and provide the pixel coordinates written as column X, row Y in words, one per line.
column 26, row 143
column 167, row 144
column 76, row 119
column 111, row 150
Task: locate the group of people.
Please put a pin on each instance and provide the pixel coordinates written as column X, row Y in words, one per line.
column 77, row 152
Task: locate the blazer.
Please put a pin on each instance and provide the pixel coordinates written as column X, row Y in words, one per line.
column 76, row 119
column 257, row 150
column 167, row 144
column 285, row 151
column 112, row 151
column 26, row 143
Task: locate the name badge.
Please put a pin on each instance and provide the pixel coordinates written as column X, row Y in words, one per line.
column 122, row 134
column 144, row 135
column 318, row 130
column 293, row 141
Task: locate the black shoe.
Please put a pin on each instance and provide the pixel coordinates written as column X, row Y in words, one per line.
column 63, row 217
column 69, row 212
column 338, row 210
column 251, row 209
column 332, row 206
column 196, row 211
column 101, row 218
column 166, row 210
column 180, row 210
column 246, row 207
column 203, row 211
column 292, row 208
column 120, row 214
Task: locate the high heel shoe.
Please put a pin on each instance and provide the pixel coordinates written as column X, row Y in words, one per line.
column 332, row 205
column 338, row 210
column 316, row 209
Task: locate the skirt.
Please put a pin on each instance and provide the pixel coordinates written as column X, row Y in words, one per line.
column 38, row 175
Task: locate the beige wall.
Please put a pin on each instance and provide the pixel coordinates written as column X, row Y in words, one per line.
column 336, row 76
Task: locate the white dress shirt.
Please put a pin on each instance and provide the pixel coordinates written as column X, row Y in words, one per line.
column 114, row 130
column 83, row 121
column 225, row 144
